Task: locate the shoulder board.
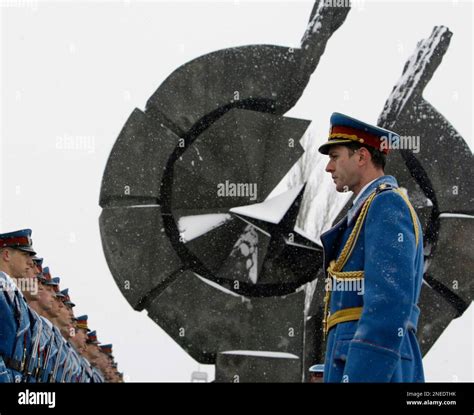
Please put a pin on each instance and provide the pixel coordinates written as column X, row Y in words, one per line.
column 384, row 186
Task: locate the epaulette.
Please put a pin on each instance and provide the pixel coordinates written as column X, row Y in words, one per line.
column 384, row 186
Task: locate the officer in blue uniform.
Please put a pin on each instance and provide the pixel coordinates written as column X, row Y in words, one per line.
column 73, row 368
column 104, row 363
column 57, row 361
column 80, row 333
column 79, row 343
column 66, row 365
column 92, row 353
column 40, row 330
column 374, row 264
column 51, row 348
column 16, row 250
column 68, row 307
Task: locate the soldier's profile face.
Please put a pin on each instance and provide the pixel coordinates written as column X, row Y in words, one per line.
column 55, row 305
column 103, row 362
column 64, row 316
column 70, row 312
column 343, row 168
column 87, row 352
column 79, row 339
column 31, row 273
column 45, row 299
column 93, row 351
column 20, row 263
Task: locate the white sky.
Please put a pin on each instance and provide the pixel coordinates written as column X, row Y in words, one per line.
column 78, row 69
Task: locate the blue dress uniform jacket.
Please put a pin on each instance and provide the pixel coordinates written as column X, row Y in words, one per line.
column 38, row 343
column 15, row 336
column 86, row 376
column 381, row 345
column 49, row 352
column 74, row 368
column 59, row 362
column 97, row 376
column 43, row 344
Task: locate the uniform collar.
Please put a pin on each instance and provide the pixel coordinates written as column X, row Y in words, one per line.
column 365, row 192
column 362, row 191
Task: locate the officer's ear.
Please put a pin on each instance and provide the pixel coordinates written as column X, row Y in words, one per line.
column 5, row 254
column 364, row 154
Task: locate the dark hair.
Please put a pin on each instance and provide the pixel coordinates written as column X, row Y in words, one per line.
column 378, row 158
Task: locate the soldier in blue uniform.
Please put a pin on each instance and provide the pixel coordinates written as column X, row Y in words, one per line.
column 68, row 314
column 73, row 369
column 76, row 342
column 92, row 354
column 40, row 327
column 58, row 317
column 16, row 250
column 105, row 361
column 80, row 333
column 67, row 365
column 79, row 341
column 374, row 263
column 47, row 309
column 48, row 352
column 59, row 363
column 53, row 285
